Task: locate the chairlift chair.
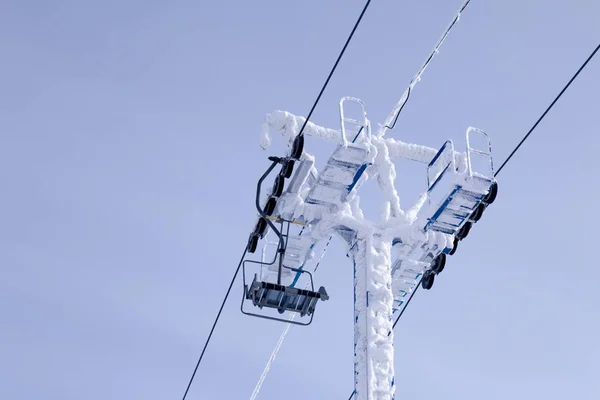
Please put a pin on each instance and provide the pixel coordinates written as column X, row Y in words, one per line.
column 280, row 295
column 284, row 298
column 264, row 294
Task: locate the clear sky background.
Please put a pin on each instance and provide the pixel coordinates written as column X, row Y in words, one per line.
column 129, row 153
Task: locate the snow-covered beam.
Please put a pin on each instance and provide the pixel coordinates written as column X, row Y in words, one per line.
column 373, row 336
column 416, row 152
column 289, row 126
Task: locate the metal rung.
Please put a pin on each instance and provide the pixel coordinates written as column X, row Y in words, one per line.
column 410, row 274
column 332, row 184
column 480, row 152
column 312, row 200
column 447, row 224
column 477, row 175
column 458, row 213
column 343, row 164
column 333, row 173
column 352, row 153
column 292, row 256
column 468, row 193
column 437, row 228
column 409, row 283
column 354, row 121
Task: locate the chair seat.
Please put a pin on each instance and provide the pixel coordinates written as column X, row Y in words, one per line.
column 284, row 298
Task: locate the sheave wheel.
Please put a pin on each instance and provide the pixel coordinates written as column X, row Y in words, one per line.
column 439, row 263
column 261, row 227
column 278, row 186
column 252, row 243
column 491, row 196
column 297, row 147
column 464, row 231
column 427, row 281
column 455, row 247
column 270, row 206
column 287, row 169
column 478, row 213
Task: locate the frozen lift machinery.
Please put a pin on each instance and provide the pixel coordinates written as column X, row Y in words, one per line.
column 309, row 196
column 406, row 248
column 391, row 257
column 275, row 293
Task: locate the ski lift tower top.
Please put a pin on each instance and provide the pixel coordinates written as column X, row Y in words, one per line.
column 460, row 186
column 325, row 202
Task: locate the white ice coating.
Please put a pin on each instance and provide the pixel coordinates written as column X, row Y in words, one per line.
column 274, row 353
column 289, row 126
column 385, row 150
column 417, row 78
column 386, row 175
column 374, row 369
column 376, row 285
column 355, row 209
column 416, row 152
column 374, row 352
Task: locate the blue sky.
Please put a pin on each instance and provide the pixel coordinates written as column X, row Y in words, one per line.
column 129, row 152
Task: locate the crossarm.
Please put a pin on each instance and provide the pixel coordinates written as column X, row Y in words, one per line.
column 289, row 125
column 416, row 152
